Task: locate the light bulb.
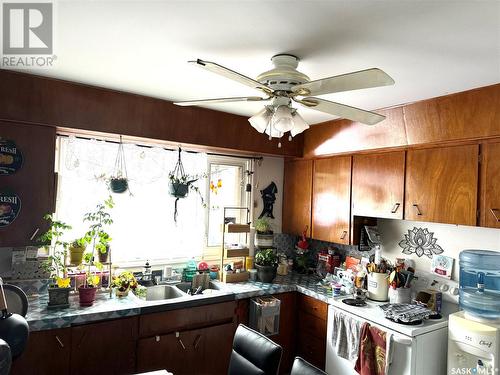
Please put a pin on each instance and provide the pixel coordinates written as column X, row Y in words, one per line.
column 299, row 125
column 282, row 119
column 261, row 119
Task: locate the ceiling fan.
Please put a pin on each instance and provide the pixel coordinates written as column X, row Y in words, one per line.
column 284, row 84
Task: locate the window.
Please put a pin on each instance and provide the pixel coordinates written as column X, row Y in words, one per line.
column 144, row 226
column 227, row 189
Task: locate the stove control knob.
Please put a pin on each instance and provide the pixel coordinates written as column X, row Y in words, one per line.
column 454, row 291
column 444, row 288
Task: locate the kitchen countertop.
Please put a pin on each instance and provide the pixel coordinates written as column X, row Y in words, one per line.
column 106, row 307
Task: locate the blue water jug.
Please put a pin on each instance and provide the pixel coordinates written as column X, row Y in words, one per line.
column 480, row 283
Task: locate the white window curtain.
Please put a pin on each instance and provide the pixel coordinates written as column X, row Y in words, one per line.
column 144, row 227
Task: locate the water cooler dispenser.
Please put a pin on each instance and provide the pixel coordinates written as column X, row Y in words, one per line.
column 474, row 332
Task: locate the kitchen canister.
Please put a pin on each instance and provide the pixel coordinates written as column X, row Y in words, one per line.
column 400, row 295
column 378, row 286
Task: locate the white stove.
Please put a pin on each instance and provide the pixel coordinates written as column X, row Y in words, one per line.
column 416, row 349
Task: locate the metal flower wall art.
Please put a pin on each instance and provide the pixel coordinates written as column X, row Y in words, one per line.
column 420, row 241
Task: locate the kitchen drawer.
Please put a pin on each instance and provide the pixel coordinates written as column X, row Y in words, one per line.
column 312, row 325
column 312, row 349
column 188, row 318
column 313, row 306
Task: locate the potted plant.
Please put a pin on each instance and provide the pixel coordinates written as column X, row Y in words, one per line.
column 77, row 248
column 88, row 290
column 264, row 236
column 96, row 234
column 118, row 183
column 55, row 264
column 123, row 283
column 266, row 263
column 181, row 183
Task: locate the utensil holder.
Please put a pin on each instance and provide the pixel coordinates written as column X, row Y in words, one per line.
column 378, row 287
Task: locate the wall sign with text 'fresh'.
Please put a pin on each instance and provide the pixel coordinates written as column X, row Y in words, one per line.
column 10, row 205
column 11, row 158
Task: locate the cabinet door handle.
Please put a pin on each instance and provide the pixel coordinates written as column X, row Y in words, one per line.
column 197, row 341
column 419, row 213
column 178, row 336
column 59, row 341
column 395, row 208
column 494, row 212
column 344, row 233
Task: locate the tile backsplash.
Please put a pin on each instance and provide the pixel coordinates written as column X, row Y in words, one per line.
column 286, row 243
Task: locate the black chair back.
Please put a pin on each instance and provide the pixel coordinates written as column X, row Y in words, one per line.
column 302, row 367
column 253, row 353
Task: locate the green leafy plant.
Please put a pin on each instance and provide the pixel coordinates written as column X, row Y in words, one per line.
column 262, row 226
column 81, row 242
column 90, row 266
column 98, row 220
column 266, row 257
column 58, row 250
column 188, row 181
column 124, row 281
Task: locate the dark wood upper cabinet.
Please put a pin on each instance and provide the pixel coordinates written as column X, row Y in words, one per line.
column 465, row 115
column 490, row 186
column 297, row 196
column 378, row 185
column 34, row 183
column 441, row 185
column 332, row 199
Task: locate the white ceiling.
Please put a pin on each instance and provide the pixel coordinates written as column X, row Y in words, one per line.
column 430, row 48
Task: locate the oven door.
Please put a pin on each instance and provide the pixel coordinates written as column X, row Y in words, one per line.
column 401, row 351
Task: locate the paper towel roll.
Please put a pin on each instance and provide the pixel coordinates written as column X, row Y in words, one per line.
column 251, row 245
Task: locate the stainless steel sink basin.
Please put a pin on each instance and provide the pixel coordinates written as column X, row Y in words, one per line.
column 163, row 292
column 187, row 285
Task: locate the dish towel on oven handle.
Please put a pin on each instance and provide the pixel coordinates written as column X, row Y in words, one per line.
column 375, row 351
column 346, row 336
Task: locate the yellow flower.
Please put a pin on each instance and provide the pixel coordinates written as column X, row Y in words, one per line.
column 63, row 282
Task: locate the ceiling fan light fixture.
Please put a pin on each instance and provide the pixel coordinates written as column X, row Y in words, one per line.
column 299, row 125
column 283, row 119
column 260, row 120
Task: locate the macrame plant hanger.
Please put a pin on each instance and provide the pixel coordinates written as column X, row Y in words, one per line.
column 119, row 179
column 179, row 189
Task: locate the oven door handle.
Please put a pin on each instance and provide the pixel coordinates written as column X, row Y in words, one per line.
column 402, row 340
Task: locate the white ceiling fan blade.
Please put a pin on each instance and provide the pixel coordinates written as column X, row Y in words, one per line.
column 341, row 110
column 345, row 82
column 222, row 100
column 231, row 74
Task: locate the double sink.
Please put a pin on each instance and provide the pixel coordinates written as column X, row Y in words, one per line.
column 169, row 292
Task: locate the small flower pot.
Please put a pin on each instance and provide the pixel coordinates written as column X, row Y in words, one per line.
column 266, row 274
column 264, row 240
column 118, row 185
column 103, row 257
column 58, row 298
column 122, row 293
column 178, row 190
column 87, row 296
column 76, row 255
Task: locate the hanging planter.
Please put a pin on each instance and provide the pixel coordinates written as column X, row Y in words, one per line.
column 118, row 183
column 181, row 183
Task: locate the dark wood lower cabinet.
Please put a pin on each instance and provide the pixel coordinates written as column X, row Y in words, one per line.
column 199, row 351
column 47, row 353
column 311, row 330
column 186, row 341
column 104, row 348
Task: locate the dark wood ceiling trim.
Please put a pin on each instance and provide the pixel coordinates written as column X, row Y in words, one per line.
column 52, row 102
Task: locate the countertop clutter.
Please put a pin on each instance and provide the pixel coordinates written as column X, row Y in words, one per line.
column 106, row 307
